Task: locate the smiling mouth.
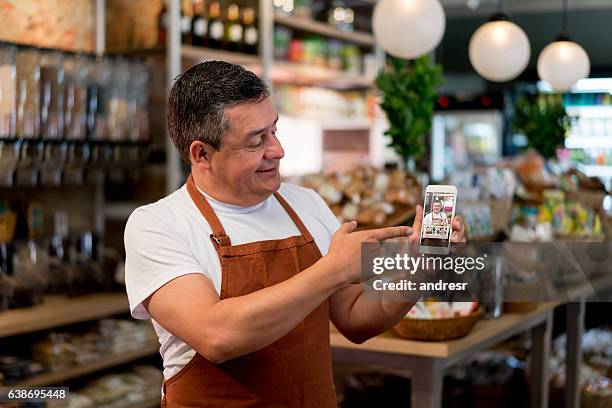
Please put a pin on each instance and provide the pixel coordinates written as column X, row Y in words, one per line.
column 272, row 170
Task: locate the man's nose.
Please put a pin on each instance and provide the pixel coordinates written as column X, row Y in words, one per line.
column 275, row 151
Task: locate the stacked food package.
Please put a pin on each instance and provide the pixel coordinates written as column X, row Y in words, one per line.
column 371, row 196
column 555, row 206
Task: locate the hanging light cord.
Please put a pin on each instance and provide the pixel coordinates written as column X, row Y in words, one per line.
column 564, row 17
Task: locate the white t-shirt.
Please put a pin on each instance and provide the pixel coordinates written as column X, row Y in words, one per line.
column 440, row 219
column 170, row 238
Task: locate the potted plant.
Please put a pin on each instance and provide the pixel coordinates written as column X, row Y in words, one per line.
column 409, row 92
column 544, row 122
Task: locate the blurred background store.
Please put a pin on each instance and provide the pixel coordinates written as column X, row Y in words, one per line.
column 527, row 142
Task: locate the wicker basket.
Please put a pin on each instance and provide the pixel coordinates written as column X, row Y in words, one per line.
column 436, row 329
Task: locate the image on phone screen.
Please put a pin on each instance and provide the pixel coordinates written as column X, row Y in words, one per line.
column 438, row 212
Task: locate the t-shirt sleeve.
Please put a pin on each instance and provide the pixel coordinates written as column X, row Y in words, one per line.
column 328, row 218
column 155, row 253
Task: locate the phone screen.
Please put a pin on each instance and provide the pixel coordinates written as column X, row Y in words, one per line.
column 438, row 213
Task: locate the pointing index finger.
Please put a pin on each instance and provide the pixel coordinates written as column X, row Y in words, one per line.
column 382, row 234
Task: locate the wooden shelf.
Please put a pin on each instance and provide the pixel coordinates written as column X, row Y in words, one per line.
column 194, row 55
column 315, row 27
column 305, row 74
column 60, row 376
column 60, row 311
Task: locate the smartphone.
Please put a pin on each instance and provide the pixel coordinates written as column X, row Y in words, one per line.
column 438, row 213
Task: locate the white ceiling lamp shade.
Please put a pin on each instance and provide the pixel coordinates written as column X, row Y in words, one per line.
column 499, row 50
column 408, row 28
column 563, row 62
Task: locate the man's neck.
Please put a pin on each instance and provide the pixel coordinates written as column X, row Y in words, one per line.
column 220, row 194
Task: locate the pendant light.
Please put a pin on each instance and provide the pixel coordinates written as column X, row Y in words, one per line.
column 408, row 28
column 563, row 62
column 499, row 49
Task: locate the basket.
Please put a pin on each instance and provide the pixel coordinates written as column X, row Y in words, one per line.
column 8, row 220
column 436, row 329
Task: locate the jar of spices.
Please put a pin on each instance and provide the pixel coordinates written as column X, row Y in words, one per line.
column 28, row 92
column 51, row 94
column 75, row 96
column 8, row 90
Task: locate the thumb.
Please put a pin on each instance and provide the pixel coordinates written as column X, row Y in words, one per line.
column 418, row 220
column 347, row 228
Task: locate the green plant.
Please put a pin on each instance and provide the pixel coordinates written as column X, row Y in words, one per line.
column 544, row 121
column 409, row 93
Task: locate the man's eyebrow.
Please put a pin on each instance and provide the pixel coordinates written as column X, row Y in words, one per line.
column 258, row 131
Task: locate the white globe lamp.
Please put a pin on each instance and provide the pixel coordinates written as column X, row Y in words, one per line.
column 562, row 63
column 408, row 28
column 499, row 49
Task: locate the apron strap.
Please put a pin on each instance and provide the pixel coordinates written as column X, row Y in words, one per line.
column 294, row 217
column 218, row 237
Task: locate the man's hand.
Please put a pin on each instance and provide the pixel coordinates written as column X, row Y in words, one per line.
column 345, row 249
column 457, row 235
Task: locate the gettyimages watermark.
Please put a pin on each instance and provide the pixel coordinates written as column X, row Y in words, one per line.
column 519, row 272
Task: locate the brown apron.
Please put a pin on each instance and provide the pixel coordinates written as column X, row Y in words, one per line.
column 295, row 370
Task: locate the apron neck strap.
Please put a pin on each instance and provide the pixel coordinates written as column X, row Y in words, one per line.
column 294, row 217
column 219, row 237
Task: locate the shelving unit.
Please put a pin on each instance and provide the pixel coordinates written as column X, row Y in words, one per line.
column 180, row 56
column 57, row 377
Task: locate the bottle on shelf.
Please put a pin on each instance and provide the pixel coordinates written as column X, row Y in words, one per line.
column 199, row 28
column 162, row 24
column 216, row 25
column 251, row 33
column 233, row 28
column 186, row 19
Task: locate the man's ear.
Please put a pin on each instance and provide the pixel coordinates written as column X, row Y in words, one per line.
column 200, row 154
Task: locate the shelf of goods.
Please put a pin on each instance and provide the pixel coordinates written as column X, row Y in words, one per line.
column 57, row 377
column 280, row 71
column 59, row 311
column 326, row 30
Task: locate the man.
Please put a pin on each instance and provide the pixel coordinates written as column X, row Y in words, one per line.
column 436, row 216
column 239, row 272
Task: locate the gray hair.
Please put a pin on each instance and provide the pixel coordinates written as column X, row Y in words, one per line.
column 199, row 97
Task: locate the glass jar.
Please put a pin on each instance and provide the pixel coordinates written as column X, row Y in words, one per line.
column 51, row 94
column 8, row 90
column 28, row 92
column 29, row 266
column 138, row 98
column 97, row 83
column 118, row 100
column 75, row 96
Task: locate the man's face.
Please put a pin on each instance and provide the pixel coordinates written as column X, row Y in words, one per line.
column 437, row 207
column 248, row 160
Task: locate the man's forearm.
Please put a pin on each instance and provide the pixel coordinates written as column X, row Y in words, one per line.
column 361, row 314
